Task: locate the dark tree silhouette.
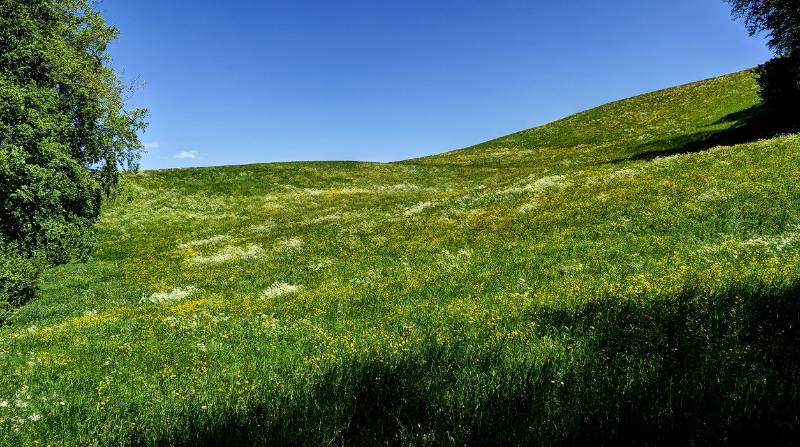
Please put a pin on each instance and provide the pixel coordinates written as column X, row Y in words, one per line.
column 779, row 19
column 779, row 78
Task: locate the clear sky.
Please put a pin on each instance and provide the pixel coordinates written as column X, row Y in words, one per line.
column 256, row 81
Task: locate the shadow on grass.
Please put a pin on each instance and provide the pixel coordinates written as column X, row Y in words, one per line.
column 747, row 125
column 685, row 369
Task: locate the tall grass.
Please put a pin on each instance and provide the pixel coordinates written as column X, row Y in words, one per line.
column 626, row 275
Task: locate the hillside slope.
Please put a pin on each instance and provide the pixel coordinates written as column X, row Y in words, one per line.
column 626, row 273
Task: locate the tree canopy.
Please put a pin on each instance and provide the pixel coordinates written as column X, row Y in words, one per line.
column 64, row 134
column 779, row 19
column 779, row 78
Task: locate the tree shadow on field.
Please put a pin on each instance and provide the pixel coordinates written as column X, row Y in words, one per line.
column 690, row 368
column 746, row 125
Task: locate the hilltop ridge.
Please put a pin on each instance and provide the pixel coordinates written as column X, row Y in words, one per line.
column 629, row 272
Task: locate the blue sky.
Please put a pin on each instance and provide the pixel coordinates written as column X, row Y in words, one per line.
column 259, row 81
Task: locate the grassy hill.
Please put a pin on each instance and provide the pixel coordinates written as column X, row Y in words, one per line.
column 630, row 272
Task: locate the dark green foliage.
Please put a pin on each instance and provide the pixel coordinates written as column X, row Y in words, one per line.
column 64, row 132
column 18, row 276
column 779, row 80
column 779, row 19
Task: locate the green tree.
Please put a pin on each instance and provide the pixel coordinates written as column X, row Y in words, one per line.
column 64, row 135
column 780, row 21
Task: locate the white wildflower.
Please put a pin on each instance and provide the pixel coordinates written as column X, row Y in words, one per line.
column 403, row 187
column 209, row 241
column 317, row 266
column 418, row 208
column 220, row 317
column 369, row 278
column 448, row 260
column 344, row 190
column 623, row 174
column 35, row 417
column 530, row 206
column 263, row 228
column 713, row 194
column 759, row 244
column 327, row 218
column 347, row 190
column 169, row 297
column 772, row 244
column 314, row 192
column 620, row 222
column 548, row 182
column 229, row 253
column 4, row 404
column 278, row 289
column 291, row 244
column 534, row 184
column 269, row 321
column 662, row 161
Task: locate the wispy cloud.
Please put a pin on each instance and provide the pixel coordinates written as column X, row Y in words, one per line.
column 152, row 145
column 187, row 154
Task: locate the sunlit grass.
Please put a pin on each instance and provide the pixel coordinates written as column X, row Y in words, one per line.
column 572, row 282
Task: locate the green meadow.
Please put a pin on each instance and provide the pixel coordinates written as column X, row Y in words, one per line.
column 628, row 273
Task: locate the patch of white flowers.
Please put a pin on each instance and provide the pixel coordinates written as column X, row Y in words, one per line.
column 536, row 185
column 279, row 289
column 547, row 182
column 667, row 160
column 713, row 194
column 321, row 192
column 327, row 218
column 771, row 245
column 418, row 208
column 22, row 409
column 317, row 266
column 229, row 253
column 182, row 323
column 263, row 228
column 448, row 260
column 400, row 187
column 291, row 244
column 209, row 241
column 527, row 207
column 623, row 174
column 172, row 296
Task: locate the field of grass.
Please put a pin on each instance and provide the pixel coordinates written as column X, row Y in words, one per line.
column 631, row 272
